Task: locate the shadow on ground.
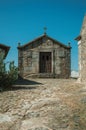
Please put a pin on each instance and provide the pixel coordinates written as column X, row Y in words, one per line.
column 21, row 81
column 23, row 84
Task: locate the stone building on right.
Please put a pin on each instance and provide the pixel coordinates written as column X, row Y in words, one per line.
column 82, row 52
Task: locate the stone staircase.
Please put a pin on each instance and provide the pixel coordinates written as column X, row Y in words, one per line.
column 40, row 75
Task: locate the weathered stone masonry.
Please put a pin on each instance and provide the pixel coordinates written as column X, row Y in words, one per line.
column 82, row 52
column 44, row 57
column 4, row 49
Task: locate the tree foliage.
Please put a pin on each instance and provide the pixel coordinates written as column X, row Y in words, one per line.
column 7, row 77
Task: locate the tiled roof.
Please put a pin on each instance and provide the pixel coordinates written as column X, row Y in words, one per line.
column 6, row 48
column 78, row 38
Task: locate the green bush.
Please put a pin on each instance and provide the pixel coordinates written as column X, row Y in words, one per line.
column 7, row 78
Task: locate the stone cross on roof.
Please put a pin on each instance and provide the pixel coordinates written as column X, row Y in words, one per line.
column 45, row 28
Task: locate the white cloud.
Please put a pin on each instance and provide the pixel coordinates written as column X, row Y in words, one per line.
column 74, row 74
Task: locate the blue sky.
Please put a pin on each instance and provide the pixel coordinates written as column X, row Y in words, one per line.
column 24, row 20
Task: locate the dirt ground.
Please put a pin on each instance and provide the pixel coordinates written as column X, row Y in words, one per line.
column 44, row 104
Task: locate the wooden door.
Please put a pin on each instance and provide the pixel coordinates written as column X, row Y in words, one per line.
column 45, row 62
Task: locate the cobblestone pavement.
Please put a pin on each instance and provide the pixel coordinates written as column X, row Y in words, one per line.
column 44, row 104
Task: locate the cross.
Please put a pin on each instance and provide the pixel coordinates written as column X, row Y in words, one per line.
column 45, row 28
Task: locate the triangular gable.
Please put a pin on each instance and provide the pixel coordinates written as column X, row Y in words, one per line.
column 61, row 44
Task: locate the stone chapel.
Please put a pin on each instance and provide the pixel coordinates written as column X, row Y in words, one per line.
column 44, row 57
column 82, row 52
column 4, row 49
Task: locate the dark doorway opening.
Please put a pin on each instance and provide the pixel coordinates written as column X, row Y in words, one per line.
column 45, row 62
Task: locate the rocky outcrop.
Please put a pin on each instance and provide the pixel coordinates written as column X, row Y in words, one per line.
column 53, row 105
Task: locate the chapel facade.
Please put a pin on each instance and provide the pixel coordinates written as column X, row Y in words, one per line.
column 44, row 57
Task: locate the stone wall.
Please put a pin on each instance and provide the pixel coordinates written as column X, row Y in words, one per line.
column 2, row 51
column 29, row 59
column 82, row 53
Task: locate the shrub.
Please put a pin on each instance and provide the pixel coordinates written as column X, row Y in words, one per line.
column 7, row 78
